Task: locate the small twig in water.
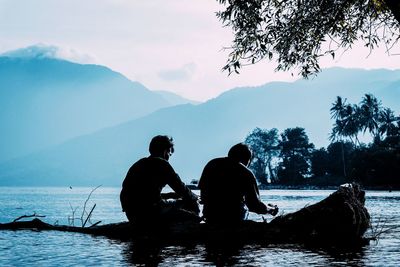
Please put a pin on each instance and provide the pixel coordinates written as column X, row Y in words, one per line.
column 84, row 207
column 90, row 214
column 71, row 220
column 379, row 228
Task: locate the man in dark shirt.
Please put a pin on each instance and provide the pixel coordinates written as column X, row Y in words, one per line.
column 141, row 197
column 227, row 186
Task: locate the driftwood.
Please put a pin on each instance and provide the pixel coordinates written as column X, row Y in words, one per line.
column 340, row 218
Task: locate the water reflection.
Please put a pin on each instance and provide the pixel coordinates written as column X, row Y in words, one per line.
column 223, row 253
column 153, row 253
column 142, row 252
column 345, row 255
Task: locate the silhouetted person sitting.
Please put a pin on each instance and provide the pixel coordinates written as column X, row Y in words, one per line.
column 141, row 197
column 227, row 186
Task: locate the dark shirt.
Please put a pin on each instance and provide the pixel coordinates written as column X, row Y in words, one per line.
column 141, row 189
column 226, row 186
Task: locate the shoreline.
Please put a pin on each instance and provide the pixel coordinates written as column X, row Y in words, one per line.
column 329, row 187
column 261, row 187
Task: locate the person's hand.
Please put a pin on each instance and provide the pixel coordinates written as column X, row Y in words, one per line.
column 192, row 205
column 272, row 209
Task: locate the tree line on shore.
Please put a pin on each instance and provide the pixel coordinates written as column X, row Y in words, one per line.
column 290, row 159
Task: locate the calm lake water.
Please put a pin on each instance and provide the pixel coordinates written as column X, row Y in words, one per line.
column 48, row 248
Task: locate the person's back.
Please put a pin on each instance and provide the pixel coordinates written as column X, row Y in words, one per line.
column 223, row 187
column 227, row 186
column 141, row 189
column 143, row 185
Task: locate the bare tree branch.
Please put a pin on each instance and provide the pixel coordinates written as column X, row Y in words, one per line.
column 34, row 215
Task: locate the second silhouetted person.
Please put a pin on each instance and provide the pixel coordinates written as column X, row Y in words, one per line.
column 227, row 186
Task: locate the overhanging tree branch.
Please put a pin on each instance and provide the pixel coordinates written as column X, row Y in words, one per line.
column 394, row 6
column 296, row 33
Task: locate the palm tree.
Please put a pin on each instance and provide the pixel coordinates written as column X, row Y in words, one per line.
column 338, row 108
column 387, row 122
column 351, row 123
column 370, row 112
column 347, row 124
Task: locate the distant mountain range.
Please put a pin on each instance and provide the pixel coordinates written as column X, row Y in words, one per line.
column 46, row 101
column 202, row 131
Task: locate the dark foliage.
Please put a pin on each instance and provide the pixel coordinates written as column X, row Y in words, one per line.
column 345, row 160
column 296, row 34
column 320, row 162
column 377, row 166
column 339, row 158
column 265, row 149
column 296, row 156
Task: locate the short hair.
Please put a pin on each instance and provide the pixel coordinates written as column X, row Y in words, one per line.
column 160, row 143
column 240, row 152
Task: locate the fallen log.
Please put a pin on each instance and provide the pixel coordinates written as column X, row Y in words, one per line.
column 339, row 218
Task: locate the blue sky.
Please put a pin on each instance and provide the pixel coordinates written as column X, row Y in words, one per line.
column 173, row 45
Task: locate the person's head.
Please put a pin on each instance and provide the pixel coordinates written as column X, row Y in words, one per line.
column 161, row 146
column 240, row 152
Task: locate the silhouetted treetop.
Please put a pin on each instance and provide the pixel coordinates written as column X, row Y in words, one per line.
column 265, row 148
column 296, row 33
column 369, row 115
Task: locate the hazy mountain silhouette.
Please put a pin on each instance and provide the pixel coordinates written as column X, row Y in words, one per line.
column 174, row 99
column 203, row 131
column 45, row 101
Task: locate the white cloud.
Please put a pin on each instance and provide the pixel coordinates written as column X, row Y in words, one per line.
column 50, row 51
column 75, row 56
column 184, row 73
column 34, row 51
